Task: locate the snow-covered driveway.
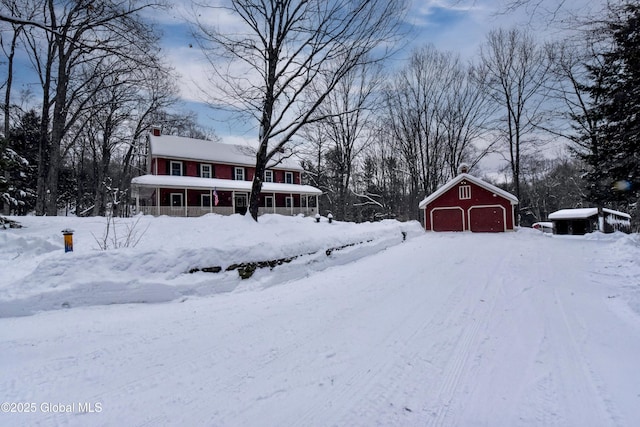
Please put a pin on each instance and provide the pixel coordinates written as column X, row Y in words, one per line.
column 457, row 329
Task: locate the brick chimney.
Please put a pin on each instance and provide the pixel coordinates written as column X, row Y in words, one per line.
column 155, row 131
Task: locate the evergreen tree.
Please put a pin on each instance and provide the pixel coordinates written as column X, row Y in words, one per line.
column 613, row 157
column 18, row 186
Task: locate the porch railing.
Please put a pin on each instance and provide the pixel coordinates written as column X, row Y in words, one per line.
column 195, row 211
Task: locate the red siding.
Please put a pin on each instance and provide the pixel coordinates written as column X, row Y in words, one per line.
column 484, row 211
column 224, row 171
column 190, row 168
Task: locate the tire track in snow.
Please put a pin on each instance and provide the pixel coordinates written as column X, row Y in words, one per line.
column 420, row 353
column 585, row 380
column 458, row 368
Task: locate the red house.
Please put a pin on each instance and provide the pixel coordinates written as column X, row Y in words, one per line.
column 467, row 203
column 193, row 177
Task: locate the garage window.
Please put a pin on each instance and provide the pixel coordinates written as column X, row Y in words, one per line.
column 464, row 192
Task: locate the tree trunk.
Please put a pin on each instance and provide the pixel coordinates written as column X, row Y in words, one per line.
column 256, row 187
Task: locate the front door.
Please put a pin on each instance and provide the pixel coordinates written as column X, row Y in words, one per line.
column 240, row 202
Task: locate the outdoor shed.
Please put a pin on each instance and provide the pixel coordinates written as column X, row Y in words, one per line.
column 467, row 203
column 585, row 220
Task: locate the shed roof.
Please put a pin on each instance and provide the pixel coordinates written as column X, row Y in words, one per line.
column 170, row 181
column 179, row 147
column 453, row 182
column 583, row 213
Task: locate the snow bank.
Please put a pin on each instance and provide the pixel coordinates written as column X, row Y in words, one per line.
column 39, row 275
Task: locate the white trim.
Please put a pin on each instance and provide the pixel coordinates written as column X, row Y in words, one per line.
column 181, row 200
column 464, row 192
column 237, row 169
column 452, row 183
column 202, row 196
column 177, row 162
column 239, row 196
column 286, row 174
column 464, row 228
column 273, row 201
column 504, row 214
column 203, row 165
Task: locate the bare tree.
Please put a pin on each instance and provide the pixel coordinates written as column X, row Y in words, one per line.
column 346, row 127
column 466, row 118
column 266, row 66
column 516, row 69
column 413, row 100
column 69, row 40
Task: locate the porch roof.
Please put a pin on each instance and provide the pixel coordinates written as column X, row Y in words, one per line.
column 197, row 183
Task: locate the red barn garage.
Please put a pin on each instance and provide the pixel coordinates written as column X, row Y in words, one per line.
column 467, row 203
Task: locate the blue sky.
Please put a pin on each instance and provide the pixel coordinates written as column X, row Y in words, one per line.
column 454, row 25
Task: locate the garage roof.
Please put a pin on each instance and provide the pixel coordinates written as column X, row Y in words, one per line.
column 452, row 183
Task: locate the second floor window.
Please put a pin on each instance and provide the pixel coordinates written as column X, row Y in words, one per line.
column 288, row 177
column 239, row 174
column 176, row 168
column 205, row 171
column 268, row 176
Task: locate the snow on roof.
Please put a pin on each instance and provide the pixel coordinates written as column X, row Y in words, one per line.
column 179, row 147
column 219, row 184
column 583, row 213
column 453, row 182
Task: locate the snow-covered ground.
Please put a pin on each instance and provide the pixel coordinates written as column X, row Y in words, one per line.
column 359, row 325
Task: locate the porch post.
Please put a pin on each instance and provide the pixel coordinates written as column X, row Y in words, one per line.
column 210, row 201
column 317, row 205
column 138, row 201
column 158, row 200
column 274, row 202
column 306, row 204
column 233, row 202
column 293, row 203
column 186, row 204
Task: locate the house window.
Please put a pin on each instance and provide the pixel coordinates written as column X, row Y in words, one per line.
column 288, row 177
column 464, row 192
column 288, row 202
column 176, row 168
column 268, row 176
column 268, row 201
column 205, row 171
column 176, row 200
column 205, row 200
column 238, row 174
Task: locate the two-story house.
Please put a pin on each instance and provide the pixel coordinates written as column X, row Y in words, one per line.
column 193, row 177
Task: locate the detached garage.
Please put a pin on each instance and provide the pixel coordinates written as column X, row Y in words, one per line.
column 467, row 203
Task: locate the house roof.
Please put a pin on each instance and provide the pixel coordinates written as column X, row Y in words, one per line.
column 169, row 181
column 583, row 213
column 465, row 176
column 179, row 147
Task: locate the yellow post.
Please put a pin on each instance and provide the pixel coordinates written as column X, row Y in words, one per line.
column 68, row 240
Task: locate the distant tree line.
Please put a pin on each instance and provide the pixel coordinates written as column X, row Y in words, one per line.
column 375, row 140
